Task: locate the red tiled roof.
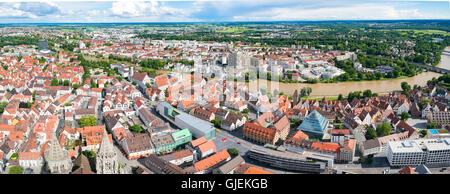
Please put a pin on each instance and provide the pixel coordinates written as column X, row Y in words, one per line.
column 212, row 160
column 407, row 170
column 204, row 147
column 198, row 141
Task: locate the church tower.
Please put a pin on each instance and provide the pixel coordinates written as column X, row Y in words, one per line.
column 106, row 161
column 58, row 161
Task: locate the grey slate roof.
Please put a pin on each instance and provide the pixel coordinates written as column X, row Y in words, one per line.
column 231, row 165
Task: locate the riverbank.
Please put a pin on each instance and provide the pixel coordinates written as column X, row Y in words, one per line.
column 445, row 60
column 334, row 89
column 319, row 90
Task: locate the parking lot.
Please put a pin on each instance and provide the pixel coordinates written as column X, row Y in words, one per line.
column 224, row 140
column 417, row 123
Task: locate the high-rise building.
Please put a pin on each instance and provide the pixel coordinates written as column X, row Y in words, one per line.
column 255, row 61
column 239, row 59
column 43, row 45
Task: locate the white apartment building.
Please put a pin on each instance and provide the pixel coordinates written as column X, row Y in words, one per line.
column 431, row 152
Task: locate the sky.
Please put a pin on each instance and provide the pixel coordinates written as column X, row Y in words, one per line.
column 83, row 11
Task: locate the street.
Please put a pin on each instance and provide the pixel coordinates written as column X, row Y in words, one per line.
column 131, row 163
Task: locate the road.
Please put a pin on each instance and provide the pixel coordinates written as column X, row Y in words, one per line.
column 379, row 163
column 124, row 160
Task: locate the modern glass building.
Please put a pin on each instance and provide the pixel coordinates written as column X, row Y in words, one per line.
column 182, row 136
column 197, row 127
column 314, row 124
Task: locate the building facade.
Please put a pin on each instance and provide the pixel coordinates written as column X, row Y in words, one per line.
column 431, row 152
column 106, row 158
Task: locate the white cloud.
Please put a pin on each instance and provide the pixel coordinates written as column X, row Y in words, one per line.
column 14, row 13
column 358, row 11
column 28, row 9
column 139, row 9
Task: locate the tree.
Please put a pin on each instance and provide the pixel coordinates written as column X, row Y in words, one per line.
column 295, row 123
column 29, row 104
column 88, row 121
column 336, row 120
column 431, row 126
column 367, row 93
column 66, row 83
column 14, row 156
column 34, row 95
column 405, row 87
column 353, row 95
column 147, row 85
column 384, row 129
column 216, row 122
column 136, row 128
column 233, row 151
column 75, row 86
column 91, row 157
column 423, row 103
column 93, row 84
column 54, row 82
column 134, row 83
column 423, row 132
column 371, row 133
column 306, row 91
column 404, row 116
column 340, row 97
column 3, row 106
column 89, row 154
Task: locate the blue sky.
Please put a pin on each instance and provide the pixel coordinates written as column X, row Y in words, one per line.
column 219, row 10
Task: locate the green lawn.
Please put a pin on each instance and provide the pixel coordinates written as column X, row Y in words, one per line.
column 320, row 98
column 440, row 32
column 15, row 170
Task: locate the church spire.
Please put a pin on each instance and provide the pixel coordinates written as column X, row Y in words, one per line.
column 56, row 157
column 105, row 146
column 55, row 151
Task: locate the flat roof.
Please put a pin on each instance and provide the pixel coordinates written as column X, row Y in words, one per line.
column 404, row 146
column 292, row 155
column 199, row 124
column 181, row 134
column 437, row 144
column 417, row 145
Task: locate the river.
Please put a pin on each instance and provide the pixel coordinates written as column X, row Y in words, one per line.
column 445, row 60
column 334, row 89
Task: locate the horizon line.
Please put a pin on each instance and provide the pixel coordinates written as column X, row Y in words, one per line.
column 274, row 21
